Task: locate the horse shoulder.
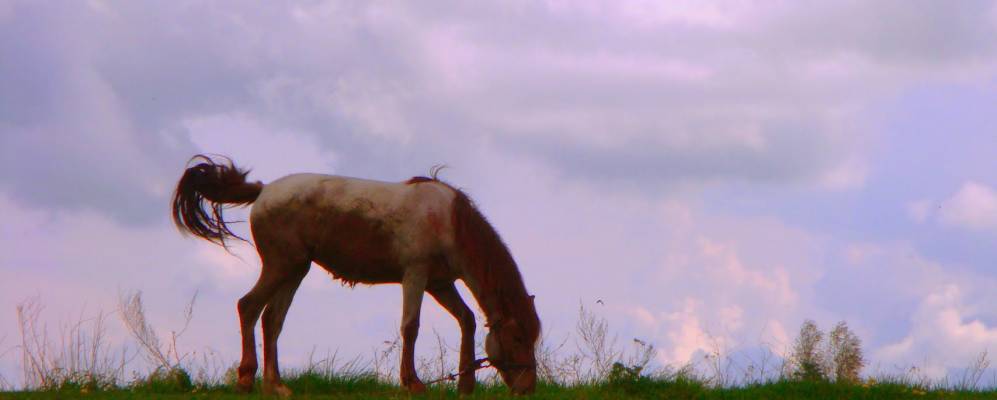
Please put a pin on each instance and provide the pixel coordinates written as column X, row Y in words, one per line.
column 424, row 211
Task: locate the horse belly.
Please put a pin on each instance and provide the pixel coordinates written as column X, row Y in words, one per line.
column 355, row 250
column 351, row 270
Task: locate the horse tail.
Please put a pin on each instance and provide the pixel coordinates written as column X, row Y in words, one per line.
column 204, row 191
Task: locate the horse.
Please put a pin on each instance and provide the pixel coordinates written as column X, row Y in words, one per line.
column 422, row 233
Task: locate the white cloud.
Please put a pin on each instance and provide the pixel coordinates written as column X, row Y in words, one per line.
column 238, row 267
column 947, row 306
column 973, row 207
column 944, row 335
column 681, row 331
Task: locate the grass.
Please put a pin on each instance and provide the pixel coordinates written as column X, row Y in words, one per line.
column 80, row 364
column 312, row 385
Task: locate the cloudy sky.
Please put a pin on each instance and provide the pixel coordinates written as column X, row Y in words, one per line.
column 715, row 173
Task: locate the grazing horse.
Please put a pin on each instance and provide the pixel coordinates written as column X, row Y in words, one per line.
column 422, row 233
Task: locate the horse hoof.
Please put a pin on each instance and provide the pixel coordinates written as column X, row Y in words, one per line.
column 465, row 388
column 278, row 390
column 416, row 388
column 244, row 385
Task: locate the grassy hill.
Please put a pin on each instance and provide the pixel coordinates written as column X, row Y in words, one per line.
column 319, row 386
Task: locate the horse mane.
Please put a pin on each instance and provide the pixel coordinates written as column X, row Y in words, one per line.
column 434, row 173
column 488, row 259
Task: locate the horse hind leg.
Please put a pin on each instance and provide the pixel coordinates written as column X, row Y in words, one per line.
column 250, row 306
column 273, row 322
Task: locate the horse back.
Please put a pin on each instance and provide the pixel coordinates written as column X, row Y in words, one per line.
column 359, row 230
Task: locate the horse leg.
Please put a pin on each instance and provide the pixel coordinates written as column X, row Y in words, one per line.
column 413, row 286
column 273, row 322
column 250, row 306
column 449, row 298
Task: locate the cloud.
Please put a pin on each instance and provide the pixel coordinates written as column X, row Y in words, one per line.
column 589, row 132
column 949, row 323
column 667, row 271
column 944, row 336
column 622, row 92
column 67, row 140
column 272, row 153
column 973, row 206
column 760, row 101
column 683, row 331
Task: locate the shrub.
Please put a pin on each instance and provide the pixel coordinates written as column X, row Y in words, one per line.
column 839, row 357
column 845, row 353
column 807, row 359
column 624, row 377
column 162, row 380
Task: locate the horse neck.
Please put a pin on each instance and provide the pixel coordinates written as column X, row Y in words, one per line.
column 488, row 268
column 499, row 291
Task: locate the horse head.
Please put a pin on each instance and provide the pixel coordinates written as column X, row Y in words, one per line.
column 511, row 348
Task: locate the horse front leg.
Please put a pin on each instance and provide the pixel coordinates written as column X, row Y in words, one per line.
column 413, row 285
column 449, row 298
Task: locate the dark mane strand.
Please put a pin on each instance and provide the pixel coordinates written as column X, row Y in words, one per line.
column 434, row 173
column 419, row 179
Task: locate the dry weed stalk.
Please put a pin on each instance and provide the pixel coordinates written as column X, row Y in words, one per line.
column 4, row 383
column 440, row 366
column 165, row 356
column 595, row 344
column 385, row 360
column 720, row 363
column 329, row 365
column 551, row 367
column 970, row 379
column 762, row 371
column 82, row 355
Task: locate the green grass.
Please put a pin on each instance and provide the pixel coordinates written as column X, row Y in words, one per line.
column 323, row 386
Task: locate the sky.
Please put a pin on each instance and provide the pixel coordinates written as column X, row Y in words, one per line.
column 714, row 172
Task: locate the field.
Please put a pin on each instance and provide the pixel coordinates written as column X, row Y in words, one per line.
column 818, row 366
column 318, row 386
